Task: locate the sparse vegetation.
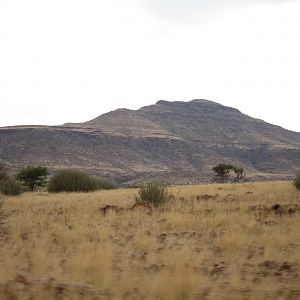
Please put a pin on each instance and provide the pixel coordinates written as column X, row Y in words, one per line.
column 153, row 193
column 3, row 172
column 296, row 182
column 11, row 187
column 3, row 227
column 3, row 176
column 8, row 184
column 33, row 177
column 239, row 173
column 210, row 242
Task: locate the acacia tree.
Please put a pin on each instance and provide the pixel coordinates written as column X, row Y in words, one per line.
column 222, row 173
column 240, row 173
column 33, row 177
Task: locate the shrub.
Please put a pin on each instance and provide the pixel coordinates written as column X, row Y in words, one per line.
column 11, row 187
column 77, row 181
column 104, row 184
column 3, row 175
column 296, row 182
column 33, row 177
column 72, row 181
column 8, row 185
column 153, row 194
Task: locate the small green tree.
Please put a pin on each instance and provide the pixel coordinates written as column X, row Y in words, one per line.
column 33, row 177
column 222, row 172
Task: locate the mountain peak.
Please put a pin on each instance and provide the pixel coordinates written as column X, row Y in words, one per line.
column 200, row 101
column 194, row 106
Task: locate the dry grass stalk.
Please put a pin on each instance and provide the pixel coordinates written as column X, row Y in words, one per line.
column 208, row 242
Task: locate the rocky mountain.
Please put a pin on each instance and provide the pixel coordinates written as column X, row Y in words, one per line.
column 175, row 141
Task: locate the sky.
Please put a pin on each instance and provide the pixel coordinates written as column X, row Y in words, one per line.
column 73, row 60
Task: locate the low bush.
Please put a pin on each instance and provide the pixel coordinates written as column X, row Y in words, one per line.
column 154, row 194
column 72, row 181
column 3, row 173
column 77, row 181
column 296, row 182
column 11, row 187
column 104, row 184
column 3, row 176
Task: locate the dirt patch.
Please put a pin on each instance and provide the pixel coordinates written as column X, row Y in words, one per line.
column 276, row 209
column 277, row 269
column 230, row 198
column 23, row 285
column 119, row 210
column 206, row 197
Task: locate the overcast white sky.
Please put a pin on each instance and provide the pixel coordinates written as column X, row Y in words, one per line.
column 72, row 60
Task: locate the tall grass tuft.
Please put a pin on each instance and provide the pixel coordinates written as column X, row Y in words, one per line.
column 296, row 182
column 154, row 194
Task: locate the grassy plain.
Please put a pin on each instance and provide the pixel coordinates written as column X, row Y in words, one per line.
column 210, row 242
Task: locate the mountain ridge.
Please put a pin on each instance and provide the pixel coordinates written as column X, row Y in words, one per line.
column 175, row 141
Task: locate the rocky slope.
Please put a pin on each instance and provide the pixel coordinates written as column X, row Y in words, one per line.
column 176, row 141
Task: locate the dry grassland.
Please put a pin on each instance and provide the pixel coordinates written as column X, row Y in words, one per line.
column 210, row 242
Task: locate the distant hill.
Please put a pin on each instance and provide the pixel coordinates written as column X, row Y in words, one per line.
column 175, row 141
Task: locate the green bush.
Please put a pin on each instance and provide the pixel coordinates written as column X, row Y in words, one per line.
column 11, row 187
column 104, row 184
column 33, row 177
column 296, row 182
column 72, row 181
column 153, row 194
column 77, row 181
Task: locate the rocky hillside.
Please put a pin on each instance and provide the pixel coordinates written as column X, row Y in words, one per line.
column 176, row 141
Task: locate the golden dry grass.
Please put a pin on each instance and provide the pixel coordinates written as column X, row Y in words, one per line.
column 209, row 242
